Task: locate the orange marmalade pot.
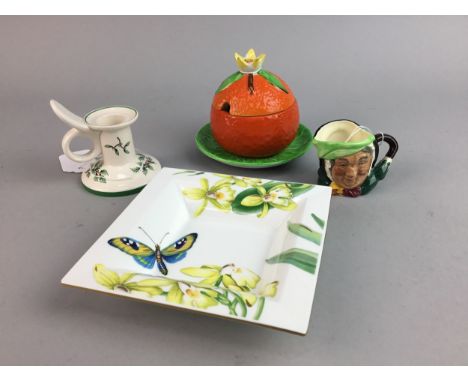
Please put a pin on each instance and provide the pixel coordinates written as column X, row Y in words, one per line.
column 254, row 112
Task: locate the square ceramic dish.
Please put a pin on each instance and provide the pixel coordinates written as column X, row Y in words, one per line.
column 235, row 247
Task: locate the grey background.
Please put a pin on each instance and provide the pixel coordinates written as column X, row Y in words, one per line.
column 393, row 283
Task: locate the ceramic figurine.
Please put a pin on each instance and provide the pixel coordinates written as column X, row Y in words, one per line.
column 254, row 112
column 348, row 154
column 116, row 167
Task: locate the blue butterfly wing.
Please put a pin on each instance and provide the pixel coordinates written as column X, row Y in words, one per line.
column 131, row 246
column 175, row 258
column 140, row 252
column 180, row 246
column 177, row 251
column 145, row 261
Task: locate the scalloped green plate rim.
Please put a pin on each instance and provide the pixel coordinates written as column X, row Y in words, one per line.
column 298, row 147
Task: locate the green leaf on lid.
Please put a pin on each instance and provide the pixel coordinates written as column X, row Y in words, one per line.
column 272, row 79
column 229, row 81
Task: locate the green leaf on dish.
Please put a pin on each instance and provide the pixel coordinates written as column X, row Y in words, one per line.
column 300, row 258
column 305, row 232
column 319, row 221
column 299, row 188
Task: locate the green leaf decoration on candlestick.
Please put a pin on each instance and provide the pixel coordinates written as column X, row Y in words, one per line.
column 99, row 173
column 144, row 164
column 272, row 79
column 229, row 81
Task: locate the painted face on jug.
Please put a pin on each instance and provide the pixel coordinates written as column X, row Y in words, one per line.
column 351, row 171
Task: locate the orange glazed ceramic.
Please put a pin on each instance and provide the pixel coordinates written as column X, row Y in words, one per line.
column 254, row 112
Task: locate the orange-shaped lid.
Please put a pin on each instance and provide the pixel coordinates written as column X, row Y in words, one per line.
column 253, row 91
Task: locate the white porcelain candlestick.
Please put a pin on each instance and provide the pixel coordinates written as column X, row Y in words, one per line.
column 117, row 168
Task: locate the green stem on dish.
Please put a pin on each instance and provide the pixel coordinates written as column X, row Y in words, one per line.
column 232, row 307
column 222, row 299
column 226, row 302
column 260, row 305
column 241, row 303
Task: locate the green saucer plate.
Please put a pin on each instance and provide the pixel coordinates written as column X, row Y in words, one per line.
column 298, row 147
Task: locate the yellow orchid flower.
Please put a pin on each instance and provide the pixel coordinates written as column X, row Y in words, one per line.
column 175, row 294
column 220, row 195
column 245, row 277
column 249, row 298
column 233, row 287
column 209, row 273
column 191, row 295
column 269, row 290
column 241, row 182
column 200, row 298
column 250, row 63
column 228, row 275
column 279, row 197
column 111, row 280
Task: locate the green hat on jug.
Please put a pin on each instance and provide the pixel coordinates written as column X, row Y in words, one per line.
column 341, row 138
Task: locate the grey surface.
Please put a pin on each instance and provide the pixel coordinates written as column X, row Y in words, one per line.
column 393, row 283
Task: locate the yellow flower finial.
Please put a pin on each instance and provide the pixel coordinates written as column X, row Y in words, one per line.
column 250, row 63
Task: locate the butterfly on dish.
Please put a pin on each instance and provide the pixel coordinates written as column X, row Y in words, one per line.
column 147, row 256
